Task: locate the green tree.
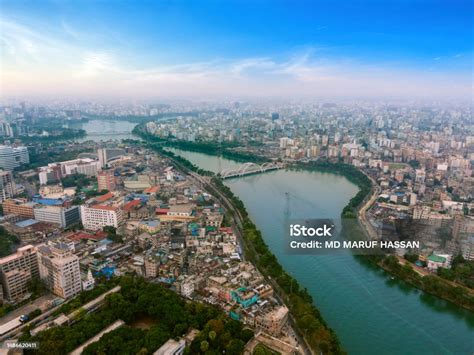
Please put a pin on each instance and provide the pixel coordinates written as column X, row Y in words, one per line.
column 212, row 335
column 236, row 346
column 204, row 346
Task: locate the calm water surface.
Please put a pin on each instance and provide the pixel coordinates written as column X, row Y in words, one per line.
column 104, row 130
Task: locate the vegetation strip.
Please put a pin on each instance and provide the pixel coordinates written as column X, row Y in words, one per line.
column 169, row 315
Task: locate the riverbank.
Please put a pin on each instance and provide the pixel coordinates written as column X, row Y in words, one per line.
column 305, row 315
column 65, row 134
column 223, row 149
column 431, row 283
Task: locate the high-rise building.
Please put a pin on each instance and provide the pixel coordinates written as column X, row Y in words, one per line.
column 106, row 180
column 51, row 173
column 151, row 266
column 107, row 154
column 7, row 185
column 59, row 269
column 61, row 215
column 98, row 216
column 13, row 157
column 6, row 129
column 16, row 270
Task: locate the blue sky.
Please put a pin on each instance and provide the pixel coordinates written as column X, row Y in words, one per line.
column 235, row 48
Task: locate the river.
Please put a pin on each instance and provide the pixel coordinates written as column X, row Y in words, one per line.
column 104, row 130
column 370, row 312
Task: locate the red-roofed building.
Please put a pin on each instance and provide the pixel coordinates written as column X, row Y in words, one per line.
column 105, row 197
column 152, row 190
column 130, row 205
column 162, row 211
column 105, row 207
column 101, row 234
column 227, row 230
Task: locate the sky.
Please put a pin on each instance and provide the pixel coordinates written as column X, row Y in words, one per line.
column 232, row 49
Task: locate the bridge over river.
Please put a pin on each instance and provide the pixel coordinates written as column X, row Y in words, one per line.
column 249, row 169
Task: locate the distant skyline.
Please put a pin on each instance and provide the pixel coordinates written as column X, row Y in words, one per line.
column 222, row 49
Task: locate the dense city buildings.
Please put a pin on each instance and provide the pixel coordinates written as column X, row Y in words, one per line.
column 114, row 209
column 236, row 177
column 153, row 221
column 419, row 157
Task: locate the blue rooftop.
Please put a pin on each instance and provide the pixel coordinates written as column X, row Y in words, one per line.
column 48, row 201
column 26, row 223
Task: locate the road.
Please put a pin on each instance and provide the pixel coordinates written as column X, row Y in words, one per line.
column 236, row 216
column 42, row 318
column 363, row 210
column 41, row 303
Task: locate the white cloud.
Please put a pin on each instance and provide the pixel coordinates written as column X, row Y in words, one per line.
column 96, row 64
column 36, row 61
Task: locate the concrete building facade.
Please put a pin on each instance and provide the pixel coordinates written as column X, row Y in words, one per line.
column 59, row 269
column 16, row 270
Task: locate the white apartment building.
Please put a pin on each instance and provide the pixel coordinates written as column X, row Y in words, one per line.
column 187, row 287
column 63, row 216
column 13, row 157
column 7, row 185
column 55, row 171
column 108, row 154
column 96, row 217
column 59, row 269
column 285, row 142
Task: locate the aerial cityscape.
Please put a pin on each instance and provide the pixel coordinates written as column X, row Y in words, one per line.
column 153, row 155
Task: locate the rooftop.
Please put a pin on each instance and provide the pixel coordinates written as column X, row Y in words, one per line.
column 436, row 258
column 26, row 223
column 105, row 197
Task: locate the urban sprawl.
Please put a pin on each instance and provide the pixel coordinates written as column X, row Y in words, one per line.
column 77, row 215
